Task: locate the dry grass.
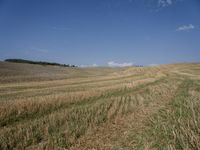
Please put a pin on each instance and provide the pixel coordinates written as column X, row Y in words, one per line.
column 73, row 108
column 178, row 125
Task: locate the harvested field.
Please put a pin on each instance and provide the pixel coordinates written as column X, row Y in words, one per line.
column 51, row 107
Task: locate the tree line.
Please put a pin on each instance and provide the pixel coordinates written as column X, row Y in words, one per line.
column 38, row 62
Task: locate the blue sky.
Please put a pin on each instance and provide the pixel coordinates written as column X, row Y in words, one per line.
column 102, row 32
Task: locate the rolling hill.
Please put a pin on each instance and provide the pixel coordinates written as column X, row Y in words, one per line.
column 54, row 107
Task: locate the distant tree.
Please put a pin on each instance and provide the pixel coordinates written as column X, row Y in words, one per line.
column 38, row 62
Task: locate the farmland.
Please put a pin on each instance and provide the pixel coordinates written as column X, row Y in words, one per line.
column 52, row 107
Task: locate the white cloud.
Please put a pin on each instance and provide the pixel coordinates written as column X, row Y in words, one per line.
column 164, row 3
column 169, row 2
column 185, row 27
column 114, row 64
column 152, row 65
column 94, row 65
column 85, row 66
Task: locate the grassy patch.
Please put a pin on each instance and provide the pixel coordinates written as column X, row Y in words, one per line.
column 178, row 125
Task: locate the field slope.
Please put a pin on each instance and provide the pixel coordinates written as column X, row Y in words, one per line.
column 52, row 107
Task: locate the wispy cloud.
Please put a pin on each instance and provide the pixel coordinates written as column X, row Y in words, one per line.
column 85, row 66
column 152, row 65
column 185, row 27
column 61, row 28
column 164, row 3
column 158, row 5
column 115, row 64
